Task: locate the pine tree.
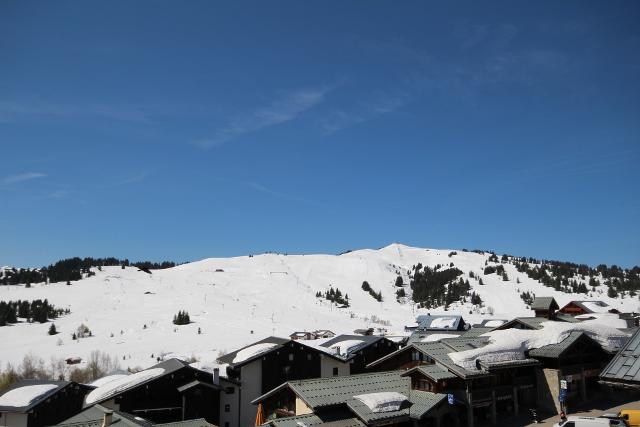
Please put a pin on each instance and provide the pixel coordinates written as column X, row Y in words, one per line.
column 52, row 329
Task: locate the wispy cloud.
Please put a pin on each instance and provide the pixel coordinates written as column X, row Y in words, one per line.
column 13, row 179
column 281, row 110
column 261, row 188
column 364, row 111
column 134, row 178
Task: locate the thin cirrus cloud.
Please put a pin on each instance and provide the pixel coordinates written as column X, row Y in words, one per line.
column 14, row 179
column 280, row 110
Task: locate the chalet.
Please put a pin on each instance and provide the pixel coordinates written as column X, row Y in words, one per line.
column 440, row 323
column 324, row 333
column 532, row 323
column 545, row 307
column 266, row 364
column 481, row 393
column 302, row 336
column 34, row 403
column 578, row 360
column 624, row 369
column 168, row 392
column 354, row 400
column 100, row 416
column 575, row 308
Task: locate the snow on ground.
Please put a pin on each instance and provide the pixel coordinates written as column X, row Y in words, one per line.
column 23, row 396
column 116, row 385
column 386, row 401
column 238, row 301
column 511, row 344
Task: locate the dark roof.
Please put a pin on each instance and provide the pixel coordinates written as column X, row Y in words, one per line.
column 476, row 331
column 93, row 416
column 484, row 322
column 367, row 340
column 196, row 383
column 556, row 350
column 311, row 420
column 419, row 335
column 170, row 366
column 448, row 322
column 544, row 303
column 527, row 322
column 435, row 372
column 625, row 366
column 423, row 402
column 59, row 385
column 228, row 358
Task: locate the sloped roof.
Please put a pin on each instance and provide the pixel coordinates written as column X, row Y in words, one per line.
column 420, row 335
column 625, row 366
column 364, row 413
column 423, row 402
column 544, row 303
column 435, row 372
column 556, row 350
column 439, row 322
column 312, row 420
column 229, row 357
column 93, row 417
column 476, row 331
column 56, row 386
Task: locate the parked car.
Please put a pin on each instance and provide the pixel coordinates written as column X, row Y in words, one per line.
column 575, row 421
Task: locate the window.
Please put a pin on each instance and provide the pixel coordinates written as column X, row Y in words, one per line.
column 290, row 356
column 309, row 356
column 227, row 408
column 335, row 372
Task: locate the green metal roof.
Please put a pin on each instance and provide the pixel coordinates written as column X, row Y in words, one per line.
column 93, row 417
column 476, row 331
column 364, row 413
column 544, row 303
column 435, row 372
column 320, row 392
column 424, row 402
column 312, row 420
column 625, row 366
column 556, row 350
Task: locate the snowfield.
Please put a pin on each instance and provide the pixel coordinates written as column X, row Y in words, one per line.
column 238, row 301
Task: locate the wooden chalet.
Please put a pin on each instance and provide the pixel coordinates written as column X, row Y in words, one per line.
column 35, row 403
column 545, row 307
column 268, row 363
column 480, row 394
column 576, row 308
column 170, row 391
column 347, row 401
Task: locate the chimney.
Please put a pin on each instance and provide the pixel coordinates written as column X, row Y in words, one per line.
column 107, row 418
column 216, row 376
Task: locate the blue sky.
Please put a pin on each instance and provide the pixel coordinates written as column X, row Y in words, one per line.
column 183, row 130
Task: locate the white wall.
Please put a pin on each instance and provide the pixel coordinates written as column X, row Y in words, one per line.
column 8, row 419
column 327, row 364
column 232, row 400
column 251, row 379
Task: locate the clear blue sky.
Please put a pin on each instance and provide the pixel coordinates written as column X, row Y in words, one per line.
column 183, row 130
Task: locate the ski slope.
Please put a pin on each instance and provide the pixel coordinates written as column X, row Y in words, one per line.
column 236, row 301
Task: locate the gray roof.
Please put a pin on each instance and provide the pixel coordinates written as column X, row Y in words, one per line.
column 93, row 416
column 314, row 420
column 625, row 366
column 423, row 402
column 556, row 350
column 484, row 322
column 544, row 303
column 200, row 422
column 366, row 339
column 435, row 372
column 60, row 385
column 364, row 413
column 425, row 322
column 476, row 331
column 228, row 358
column 419, row 335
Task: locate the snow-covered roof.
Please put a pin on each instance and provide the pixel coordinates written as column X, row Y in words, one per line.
column 118, row 385
column 23, row 396
column 346, row 346
column 253, row 350
column 439, row 322
column 438, row 337
column 106, row 379
column 386, row 401
column 511, row 344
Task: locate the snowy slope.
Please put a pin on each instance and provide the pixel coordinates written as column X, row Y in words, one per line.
column 236, row 301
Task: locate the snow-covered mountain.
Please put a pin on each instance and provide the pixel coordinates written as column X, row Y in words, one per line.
column 235, row 301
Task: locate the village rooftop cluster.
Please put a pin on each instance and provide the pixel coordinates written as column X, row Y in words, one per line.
column 442, row 372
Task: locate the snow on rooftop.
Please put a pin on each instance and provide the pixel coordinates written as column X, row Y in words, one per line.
column 117, row 385
column 511, row 344
column 23, row 396
column 494, row 323
column 253, row 350
column 107, row 379
column 443, row 322
column 345, row 347
column 387, row 401
column 596, row 306
column 438, row 337
column 609, row 319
